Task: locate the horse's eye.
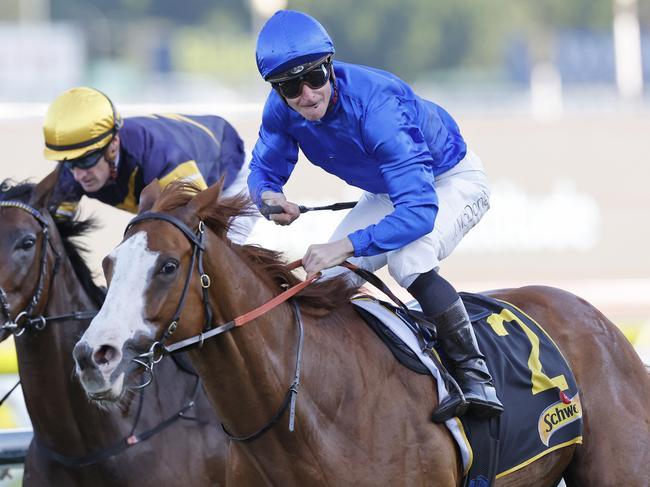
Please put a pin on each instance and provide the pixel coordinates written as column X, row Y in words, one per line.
column 169, row 267
column 27, row 243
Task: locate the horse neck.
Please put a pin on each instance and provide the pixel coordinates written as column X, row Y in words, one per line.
column 246, row 371
column 348, row 376
column 56, row 403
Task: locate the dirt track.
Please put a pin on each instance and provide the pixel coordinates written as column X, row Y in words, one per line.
column 578, row 187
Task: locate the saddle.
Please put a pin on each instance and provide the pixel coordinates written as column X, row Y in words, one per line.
column 533, row 380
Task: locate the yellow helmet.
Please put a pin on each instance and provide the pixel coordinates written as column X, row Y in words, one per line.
column 78, row 121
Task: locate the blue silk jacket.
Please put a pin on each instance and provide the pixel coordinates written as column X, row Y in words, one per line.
column 377, row 135
column 166, row 147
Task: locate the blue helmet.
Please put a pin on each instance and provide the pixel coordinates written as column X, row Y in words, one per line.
column 288, row 39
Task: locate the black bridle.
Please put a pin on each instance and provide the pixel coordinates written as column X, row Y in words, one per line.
column 158, row 349
column 25, row 318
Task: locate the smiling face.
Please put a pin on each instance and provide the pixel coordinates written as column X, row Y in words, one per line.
column 312, row 103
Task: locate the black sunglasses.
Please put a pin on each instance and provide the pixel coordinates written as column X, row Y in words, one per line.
column 315, row 78
column 86, row 161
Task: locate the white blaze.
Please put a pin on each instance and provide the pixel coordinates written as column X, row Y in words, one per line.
column 122, row 314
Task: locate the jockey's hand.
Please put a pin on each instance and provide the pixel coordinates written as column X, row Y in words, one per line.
column 324, row 256
column 291, row 210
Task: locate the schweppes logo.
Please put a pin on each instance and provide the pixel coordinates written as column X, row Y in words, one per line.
column 557, row 416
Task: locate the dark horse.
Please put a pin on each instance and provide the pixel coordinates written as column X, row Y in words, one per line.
column 75, row 442
column 361, row 418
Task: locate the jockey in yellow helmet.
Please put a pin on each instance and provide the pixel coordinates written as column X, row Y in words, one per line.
column 112, row 159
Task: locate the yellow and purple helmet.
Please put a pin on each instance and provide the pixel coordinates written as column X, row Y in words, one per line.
column 79, row 121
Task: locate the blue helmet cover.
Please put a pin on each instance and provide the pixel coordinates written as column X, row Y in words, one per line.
column 290, row 38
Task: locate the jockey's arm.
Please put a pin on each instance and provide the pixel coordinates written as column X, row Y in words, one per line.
column 274, row 157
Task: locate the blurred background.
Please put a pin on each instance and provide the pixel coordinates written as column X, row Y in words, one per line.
column 549, row 93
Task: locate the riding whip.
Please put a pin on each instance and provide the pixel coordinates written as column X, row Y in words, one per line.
column 268, row 210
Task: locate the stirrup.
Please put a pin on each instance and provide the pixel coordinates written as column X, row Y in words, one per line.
column 485, row 404
column 452, row 406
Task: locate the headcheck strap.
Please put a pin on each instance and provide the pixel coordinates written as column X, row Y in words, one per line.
column 25, row 207
column 177, row 222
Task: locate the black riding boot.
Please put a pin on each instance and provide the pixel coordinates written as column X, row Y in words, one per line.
column 456, row 335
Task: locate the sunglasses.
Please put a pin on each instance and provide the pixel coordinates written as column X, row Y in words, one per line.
column 86, row 161
column 316, row 78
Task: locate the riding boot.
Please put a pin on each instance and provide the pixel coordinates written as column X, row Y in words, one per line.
column 456, row 336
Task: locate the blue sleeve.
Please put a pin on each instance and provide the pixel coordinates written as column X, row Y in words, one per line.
column 275, row 154
column 405, row 162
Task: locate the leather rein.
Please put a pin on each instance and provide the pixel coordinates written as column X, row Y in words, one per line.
column 158, row 349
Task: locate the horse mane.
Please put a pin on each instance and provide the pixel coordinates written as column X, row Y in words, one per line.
column 69, row 230
column 269, row 265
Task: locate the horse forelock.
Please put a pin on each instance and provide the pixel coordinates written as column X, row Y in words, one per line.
column 19, row 191
column 217, row 216
column 270, row 265
column 175, row 195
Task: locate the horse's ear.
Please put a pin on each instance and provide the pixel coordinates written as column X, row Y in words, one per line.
column 149, row 195
column 206, row 198
column 43, row 191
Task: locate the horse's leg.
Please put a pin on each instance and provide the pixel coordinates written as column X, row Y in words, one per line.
column 614, row 388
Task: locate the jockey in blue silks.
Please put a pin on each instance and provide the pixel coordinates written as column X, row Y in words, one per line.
column 424, row 190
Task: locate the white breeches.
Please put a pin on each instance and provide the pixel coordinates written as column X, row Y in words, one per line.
column 463, row 198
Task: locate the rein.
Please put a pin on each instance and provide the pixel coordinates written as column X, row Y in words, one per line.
column 158, row 349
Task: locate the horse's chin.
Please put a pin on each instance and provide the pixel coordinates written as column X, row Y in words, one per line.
column 106, row 396
column 100, row 390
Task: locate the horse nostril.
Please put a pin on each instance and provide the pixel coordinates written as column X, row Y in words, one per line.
column 105, row 354
column 82, row 353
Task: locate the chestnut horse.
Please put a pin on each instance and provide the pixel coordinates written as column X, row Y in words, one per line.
column 75, row 442
column 360, row 418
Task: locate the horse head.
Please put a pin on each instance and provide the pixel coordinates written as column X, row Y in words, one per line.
column 152, row 296
column 30, row 246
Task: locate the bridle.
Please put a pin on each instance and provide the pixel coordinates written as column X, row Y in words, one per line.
column 159, row 349
column 25, row 318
